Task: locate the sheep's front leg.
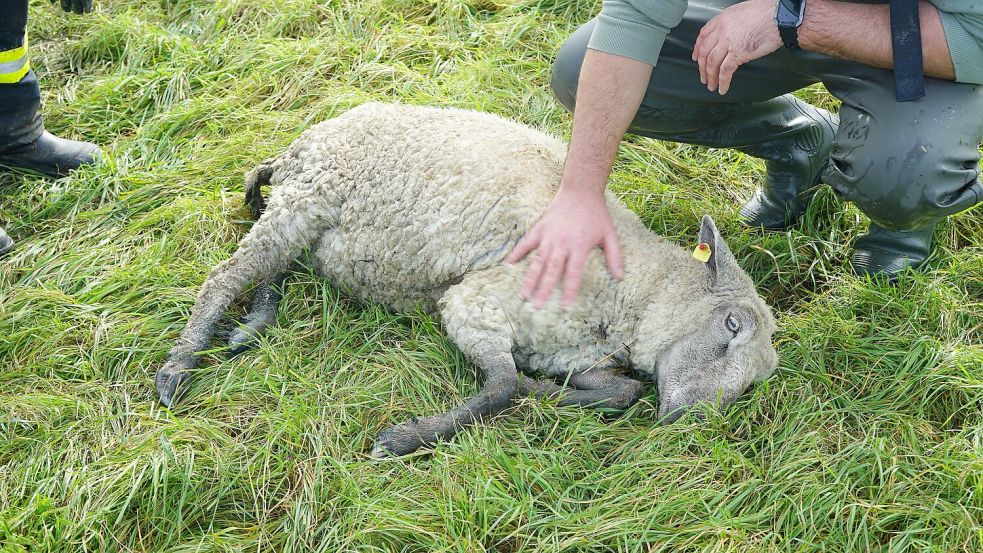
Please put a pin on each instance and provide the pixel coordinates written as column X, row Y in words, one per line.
column 479, row 327
column 496, row 394
column 262, row 315
column 595, row 388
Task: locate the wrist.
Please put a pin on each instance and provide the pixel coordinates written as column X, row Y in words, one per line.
column 581, row 190
column 584, row 177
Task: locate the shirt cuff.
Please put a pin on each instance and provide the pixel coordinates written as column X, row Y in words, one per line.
column 629, row 39
column 965, row 49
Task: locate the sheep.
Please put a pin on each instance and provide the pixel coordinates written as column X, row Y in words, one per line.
column 416, row 207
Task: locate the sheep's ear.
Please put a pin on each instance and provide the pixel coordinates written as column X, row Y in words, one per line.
column 713, row 251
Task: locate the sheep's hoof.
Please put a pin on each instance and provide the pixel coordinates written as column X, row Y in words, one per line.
column 396, row 441
column 380, row 452
column 241, row 339
column 169, row 379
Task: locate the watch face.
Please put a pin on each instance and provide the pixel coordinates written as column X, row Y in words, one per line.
column 789, row 13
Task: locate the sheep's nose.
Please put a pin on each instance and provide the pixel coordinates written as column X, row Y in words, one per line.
column 667, row 416
column 670, row 411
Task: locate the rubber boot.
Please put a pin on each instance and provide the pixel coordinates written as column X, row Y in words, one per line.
column 795, row 166
column 793, row 137
column 6, row 243
column 885, row 253
column 50, row 155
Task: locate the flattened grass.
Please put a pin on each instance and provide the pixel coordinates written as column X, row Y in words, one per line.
column 868, row 438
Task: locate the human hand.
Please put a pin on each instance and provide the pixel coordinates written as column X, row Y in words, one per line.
column 77, row 6
column 741, row 33
column 572, row 225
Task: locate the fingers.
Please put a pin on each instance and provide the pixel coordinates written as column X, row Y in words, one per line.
column 562, row 243
column 549, row 268
column 703, row 39
column 66, row 5
column 77, row 7
column 545, row 270
column 727, row 69
column 544, row 274
column 573, row 277
column 713, row 61
column 535, row 272
column 718, row 55
column 612, row 251
column 551, row 265
column 555, row 266
column 526, row 245
column 706, row 44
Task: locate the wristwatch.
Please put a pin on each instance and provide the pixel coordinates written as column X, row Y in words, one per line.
column 789, row 16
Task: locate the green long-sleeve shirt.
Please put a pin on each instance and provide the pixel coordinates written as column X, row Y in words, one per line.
column 637, row 29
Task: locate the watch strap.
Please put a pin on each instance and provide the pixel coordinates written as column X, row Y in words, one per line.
column 789, row 15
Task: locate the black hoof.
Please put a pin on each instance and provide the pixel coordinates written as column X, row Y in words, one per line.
column 396, row 441
column 169, row 379
column 241, row 340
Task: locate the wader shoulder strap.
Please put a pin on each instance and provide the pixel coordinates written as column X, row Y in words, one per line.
column 906, row 41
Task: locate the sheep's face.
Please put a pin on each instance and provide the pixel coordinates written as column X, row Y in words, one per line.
column 721, row 341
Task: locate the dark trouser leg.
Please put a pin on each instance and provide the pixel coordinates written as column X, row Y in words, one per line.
column 23, row 142
column 757, row 116
column 906, row 165
column 20, row 123
column 19, row 94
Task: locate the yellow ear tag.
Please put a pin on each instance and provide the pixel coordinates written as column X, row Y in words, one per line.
column 702, row 252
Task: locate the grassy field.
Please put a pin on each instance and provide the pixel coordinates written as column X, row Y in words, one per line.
column 868, row 438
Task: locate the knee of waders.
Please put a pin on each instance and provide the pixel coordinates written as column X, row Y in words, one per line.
column 566, row 66
column 904, row 190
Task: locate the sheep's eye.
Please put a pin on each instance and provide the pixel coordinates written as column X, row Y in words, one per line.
column 732, row 323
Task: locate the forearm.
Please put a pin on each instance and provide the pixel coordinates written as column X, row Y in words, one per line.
column 862, row 33
column 608, row 95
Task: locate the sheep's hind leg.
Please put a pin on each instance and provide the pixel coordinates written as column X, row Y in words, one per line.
column 262, row 315
column 272, row 243
column 594, row 388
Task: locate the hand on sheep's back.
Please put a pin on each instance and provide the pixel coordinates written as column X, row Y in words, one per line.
column 574, row 223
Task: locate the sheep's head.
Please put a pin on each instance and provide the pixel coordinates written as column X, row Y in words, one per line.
column 709, row 348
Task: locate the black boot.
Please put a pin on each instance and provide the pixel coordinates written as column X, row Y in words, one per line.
column 795, row 166
column 50, row 155
column 887, row 253
column 6, row 243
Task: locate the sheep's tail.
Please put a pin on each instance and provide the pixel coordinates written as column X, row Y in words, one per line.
column 259, row 176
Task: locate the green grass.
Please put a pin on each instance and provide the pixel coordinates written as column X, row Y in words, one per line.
column 868, row 438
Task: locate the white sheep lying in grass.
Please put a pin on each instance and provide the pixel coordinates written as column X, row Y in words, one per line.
column 415, row 206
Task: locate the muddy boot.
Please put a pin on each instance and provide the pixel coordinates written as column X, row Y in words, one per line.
column 795, row 166
column 50, row 155
column 886, row 253
column 6, row 243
